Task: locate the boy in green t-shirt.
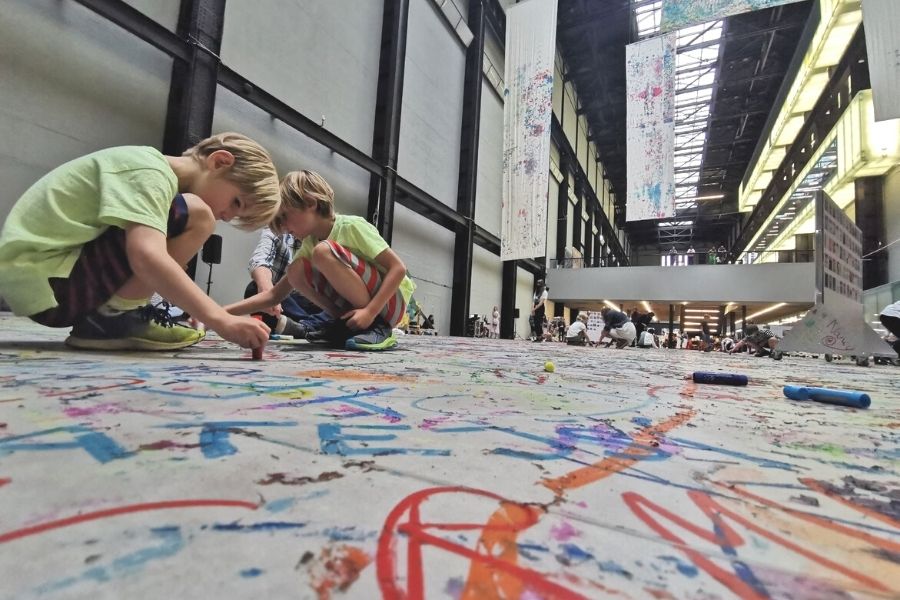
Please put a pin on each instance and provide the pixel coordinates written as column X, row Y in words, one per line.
column 344, row 266
column 90, row 242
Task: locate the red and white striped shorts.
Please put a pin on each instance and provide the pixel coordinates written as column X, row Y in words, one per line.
column 392, row 312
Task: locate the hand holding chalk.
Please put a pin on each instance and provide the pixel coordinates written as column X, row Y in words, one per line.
column 828, row 396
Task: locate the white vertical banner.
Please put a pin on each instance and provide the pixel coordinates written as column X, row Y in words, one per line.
column 527, row 113
column 881, row 19
column 650, row 128
column 677, row 14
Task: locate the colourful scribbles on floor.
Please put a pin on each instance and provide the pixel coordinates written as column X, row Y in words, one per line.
column 452, row 468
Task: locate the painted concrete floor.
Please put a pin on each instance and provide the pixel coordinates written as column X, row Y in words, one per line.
column 450, row 468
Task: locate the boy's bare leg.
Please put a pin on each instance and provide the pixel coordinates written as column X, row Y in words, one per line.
column 341, row 277
column 200, row 225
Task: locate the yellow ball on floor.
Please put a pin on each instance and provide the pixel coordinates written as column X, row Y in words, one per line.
column 549, row 367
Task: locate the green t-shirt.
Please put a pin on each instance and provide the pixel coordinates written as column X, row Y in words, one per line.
column 72, row 205
column 359, row 236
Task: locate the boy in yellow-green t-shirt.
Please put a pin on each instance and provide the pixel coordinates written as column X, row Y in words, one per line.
column 90, row 242
column 344, row 266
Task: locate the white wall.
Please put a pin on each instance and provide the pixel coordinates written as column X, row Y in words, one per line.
column 771, row 282
column 490, row 161
column 487, row 287
column 524, row 302
column 427, row 250
column 892, row 221
column 72, row 83
column 432, row 103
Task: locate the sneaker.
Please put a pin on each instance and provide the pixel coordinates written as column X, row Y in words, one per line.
column 334, row 333
column 379, row 336
column 145, row 328
column 293, row 328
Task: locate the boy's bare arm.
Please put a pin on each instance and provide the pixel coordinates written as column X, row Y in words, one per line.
column 263, row 300
column 154, row 267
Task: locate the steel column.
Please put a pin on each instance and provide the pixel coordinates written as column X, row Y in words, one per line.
column 389, row 100
column 468, row 172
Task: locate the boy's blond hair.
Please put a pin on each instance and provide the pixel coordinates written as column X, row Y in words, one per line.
column 253, row 172
column 582, row 317
column 302, row 190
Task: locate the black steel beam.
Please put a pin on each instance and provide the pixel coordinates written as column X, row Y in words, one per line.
column 389, row 101
column 468, row 171
column 508, row 300
column 192, row 86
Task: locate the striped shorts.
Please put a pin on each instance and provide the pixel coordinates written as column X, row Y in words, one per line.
column 392, row 312
column 100, row 271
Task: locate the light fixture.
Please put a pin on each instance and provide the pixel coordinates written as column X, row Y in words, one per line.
column 711, row 197
column 766, row 310
column 646, row 305
column 610, row 304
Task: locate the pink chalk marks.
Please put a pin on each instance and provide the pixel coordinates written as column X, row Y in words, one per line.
column 564, row 532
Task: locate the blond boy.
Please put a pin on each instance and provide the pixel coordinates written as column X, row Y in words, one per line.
column 344, row 266
column 90, row 242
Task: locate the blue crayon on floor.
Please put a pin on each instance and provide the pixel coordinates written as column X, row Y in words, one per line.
column 720, row 378
column 828, row 396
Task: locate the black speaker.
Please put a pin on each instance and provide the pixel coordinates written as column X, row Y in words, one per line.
column 516, row 314
column 212, row 250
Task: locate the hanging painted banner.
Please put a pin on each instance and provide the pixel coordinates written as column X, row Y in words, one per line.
column 650, row 96
column 881, row 19
column 527, row 112
column 677, row 14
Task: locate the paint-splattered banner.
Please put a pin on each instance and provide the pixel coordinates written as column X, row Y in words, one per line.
column 650, row 73
column 677, row 14
column 527, row 112
column 880, row 18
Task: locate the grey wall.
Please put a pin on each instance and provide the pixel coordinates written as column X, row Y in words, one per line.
column 432, row 103
column 427, row 250
column 326, row 66
column 720, row 283
column 72, row 83
column 892, row 221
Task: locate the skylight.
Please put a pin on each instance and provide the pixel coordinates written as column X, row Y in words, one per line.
column 695, row 79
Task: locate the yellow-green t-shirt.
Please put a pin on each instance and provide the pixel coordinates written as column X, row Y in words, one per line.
column 360, row 237
column 72, row 205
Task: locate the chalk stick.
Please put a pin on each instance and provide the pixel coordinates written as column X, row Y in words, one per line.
column 257, row 353
column 720, row 378
column 828, row 396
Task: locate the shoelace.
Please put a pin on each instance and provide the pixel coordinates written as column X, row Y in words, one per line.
column 159, row 314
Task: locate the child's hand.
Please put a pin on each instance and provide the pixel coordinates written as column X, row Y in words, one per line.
column 244, row 331
column 358, row 319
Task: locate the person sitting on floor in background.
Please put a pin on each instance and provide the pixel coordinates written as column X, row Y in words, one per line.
column 428, row 323
column 727, row 344
column 761, row 340
column 576, row 335
column 296, row 315
column 90, row 242
column 647, row 339
column 618, row 327
column 890, row 318
column 343, row 265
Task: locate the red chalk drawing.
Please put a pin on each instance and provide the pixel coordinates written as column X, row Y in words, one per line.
column 120, row 510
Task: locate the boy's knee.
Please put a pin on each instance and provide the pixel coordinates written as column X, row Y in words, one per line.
column 321, row 253
column 200, row 216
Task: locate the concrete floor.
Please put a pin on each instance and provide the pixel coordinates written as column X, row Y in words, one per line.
column 450, row 468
